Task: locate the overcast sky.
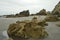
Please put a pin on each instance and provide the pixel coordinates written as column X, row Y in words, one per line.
column 34, row 6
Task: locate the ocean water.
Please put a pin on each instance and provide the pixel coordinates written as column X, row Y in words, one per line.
column 52, row 29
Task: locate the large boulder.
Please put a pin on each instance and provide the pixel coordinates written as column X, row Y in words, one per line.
column 23, row 30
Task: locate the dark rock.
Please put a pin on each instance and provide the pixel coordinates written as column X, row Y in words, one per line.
column 24, row 13
column 42, row 12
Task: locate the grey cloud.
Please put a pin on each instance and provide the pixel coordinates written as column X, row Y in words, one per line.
column 14, row 6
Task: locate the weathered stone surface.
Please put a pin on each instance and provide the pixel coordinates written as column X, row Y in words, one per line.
column 26, row 13
column 9, row 39
column 23, row 13
column 42, row 12
column 22, row 30
column 52, row 18
column 56, row 10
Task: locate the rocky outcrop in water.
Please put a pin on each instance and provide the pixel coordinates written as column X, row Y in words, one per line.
column 42, row 12
column 21, row 14
column 56, row 10
column 23, row 30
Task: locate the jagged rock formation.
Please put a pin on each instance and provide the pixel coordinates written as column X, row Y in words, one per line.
column 56, row 10
column 42, row 12
column 23, row 13
column 23, row 30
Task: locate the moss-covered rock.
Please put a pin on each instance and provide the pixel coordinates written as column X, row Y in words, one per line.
column 22, row 30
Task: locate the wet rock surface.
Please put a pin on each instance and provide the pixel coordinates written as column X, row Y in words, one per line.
column 23, row 30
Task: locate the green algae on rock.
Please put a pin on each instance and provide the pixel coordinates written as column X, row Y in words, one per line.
column 22, row 30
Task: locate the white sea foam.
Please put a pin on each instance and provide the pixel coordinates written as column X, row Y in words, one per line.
column 4, row 33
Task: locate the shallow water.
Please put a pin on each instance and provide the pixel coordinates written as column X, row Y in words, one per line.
column 52, row 29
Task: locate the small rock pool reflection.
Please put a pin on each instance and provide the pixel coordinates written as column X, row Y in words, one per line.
column 52, row 29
